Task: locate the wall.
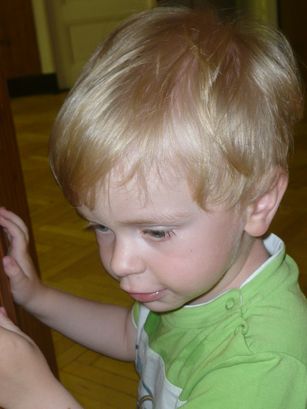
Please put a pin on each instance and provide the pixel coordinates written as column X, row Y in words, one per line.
column 43, row 36
column 263, row 10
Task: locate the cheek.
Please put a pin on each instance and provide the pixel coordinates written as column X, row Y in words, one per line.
column 176, row 268
column 203, row 263
column 105, row 252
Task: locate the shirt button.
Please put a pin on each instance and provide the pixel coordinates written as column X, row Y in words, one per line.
column 244, row 328
column 230, row 303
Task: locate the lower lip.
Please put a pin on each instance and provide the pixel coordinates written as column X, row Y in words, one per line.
column 147, row 297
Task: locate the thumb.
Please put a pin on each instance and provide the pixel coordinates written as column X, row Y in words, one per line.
column 22, row 286
column 19, row 282
column 11, row 267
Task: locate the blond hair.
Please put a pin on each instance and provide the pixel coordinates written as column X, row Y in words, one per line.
column 178, row 90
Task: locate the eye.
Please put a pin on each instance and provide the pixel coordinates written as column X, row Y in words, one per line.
column 159, row 234
column 98, row 227
column 102, row 228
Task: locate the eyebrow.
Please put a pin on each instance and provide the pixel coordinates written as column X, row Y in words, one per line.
column 156, row 219
column 151, row 219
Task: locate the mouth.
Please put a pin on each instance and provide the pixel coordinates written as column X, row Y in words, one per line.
column 147, row 297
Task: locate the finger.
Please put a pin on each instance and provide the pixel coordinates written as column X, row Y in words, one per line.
column 16, row 235
column 9, row 224
column 13, row 218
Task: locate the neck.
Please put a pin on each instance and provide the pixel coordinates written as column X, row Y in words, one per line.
column 252, row 255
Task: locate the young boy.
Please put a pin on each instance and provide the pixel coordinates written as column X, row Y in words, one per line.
column 173, row 145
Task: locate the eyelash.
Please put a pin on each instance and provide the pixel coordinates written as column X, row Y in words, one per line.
column 158, row 235
column 95, row 227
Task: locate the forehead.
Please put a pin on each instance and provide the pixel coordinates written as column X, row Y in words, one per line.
column 166, row 196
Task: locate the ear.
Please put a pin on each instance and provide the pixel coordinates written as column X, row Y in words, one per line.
column 261, row 212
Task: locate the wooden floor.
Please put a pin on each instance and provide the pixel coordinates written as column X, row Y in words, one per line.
column 69, row 261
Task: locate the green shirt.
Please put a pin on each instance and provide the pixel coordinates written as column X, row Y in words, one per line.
column 246, row 349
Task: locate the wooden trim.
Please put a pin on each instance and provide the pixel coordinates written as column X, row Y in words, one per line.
column 33, row 85
column 13, row 196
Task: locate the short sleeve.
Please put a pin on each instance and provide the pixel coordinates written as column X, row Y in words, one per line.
column 264, row 381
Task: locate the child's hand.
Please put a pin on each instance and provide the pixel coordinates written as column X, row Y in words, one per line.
column 18, row 266
column 25, row 378
column 24, row 372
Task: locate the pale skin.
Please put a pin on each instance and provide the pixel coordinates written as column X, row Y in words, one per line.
column 25, row 378
column 163, row 249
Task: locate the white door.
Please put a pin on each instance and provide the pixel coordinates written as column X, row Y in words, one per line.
column 77, row 27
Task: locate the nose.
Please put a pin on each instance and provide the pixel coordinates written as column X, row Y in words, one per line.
column 126, row 258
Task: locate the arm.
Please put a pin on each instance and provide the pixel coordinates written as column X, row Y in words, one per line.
column 25, row 378
column 105, row 328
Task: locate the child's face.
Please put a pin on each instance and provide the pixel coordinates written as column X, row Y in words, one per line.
column 164, row 249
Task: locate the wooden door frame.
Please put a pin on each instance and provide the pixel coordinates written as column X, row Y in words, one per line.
column 13, row 197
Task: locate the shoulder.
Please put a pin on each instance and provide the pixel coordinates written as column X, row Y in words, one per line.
column 277, row 321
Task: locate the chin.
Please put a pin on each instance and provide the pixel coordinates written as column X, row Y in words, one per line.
column 161, row 307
